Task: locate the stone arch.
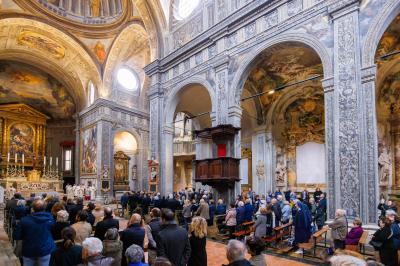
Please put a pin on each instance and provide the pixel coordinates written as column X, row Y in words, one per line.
column 68, row 68
column 245, row 67
column 378, row 27
column 134, row 133
column 171, row 101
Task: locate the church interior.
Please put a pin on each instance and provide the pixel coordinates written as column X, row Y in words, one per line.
column 124, row 104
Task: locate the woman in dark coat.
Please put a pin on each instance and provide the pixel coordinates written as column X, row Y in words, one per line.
column 302, row 223
column 198, row 233
column 384, row 235
column 67, row 254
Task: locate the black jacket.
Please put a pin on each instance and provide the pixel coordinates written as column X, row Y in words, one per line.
column 73, row 210
column 57, row 228
column 387, row 252
column 103, row 226
column 66, row 257
column 173, row 243
column 198, row 256
column 239, row 263
column 134, row 234
column 155, row 226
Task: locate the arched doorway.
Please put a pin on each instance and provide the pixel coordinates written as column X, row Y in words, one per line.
column 188, row 109
column 388, row 110
column 283, row 120
column 125, row 163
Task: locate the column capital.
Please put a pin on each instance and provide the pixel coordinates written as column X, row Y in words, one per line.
column 328, row 84
column 168, row 130
column 341, row 8
column 235, row 115
column 368, row 74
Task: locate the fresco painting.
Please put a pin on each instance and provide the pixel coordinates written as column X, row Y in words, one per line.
column 89, row 151
column 21, row 140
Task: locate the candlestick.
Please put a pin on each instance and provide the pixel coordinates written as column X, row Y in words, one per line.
column 8, row 157
column 23, row 158
column 44, row 161
column 16, row 157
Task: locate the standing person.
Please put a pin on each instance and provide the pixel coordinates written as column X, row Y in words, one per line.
column 89, row 209
column 198, row 233
column 305, row 195
column 256, row 246
column 249, row 210
column 221, row 208
column 302, row 224
column 154, row 226
column 395, row 226
column 384, row 236
column 112, row 246
column 286, row 212
column 68, row 253
column 62, row 222
column 35, row 232
column 133, row 234
column 124, row 202
column 173, row 241
column 134, row 256
column 74, row 209
column 236, row 253
column 317, row 194
column 203, row 210
column 187, row 213
column 260, row 225
column 230, row 219
column 212, row 209
column 320, row 214
column 339, row 229
column 82, row 227
column 107, row 223
column 276, row 208
column 240, row 213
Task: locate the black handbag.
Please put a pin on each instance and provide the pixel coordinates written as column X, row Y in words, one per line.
column 376, row 244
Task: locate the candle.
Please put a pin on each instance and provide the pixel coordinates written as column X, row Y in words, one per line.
column 16, row 158
column 8, row 157
column 57, row 161
column 51, row 161
column 44, row 161
column 23, row 158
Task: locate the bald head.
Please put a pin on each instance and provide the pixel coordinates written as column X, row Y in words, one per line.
column 135, row 218
column 38, row 205
column 108, row 212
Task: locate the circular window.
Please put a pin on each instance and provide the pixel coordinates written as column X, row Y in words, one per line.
column 186, row 7
column 127, row 79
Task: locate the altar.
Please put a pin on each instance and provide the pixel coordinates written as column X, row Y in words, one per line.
column 24, row 166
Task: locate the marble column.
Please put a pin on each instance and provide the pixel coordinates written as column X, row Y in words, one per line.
column 77, row 149
column 348, row 130
column 167, row 161
column 369, row 139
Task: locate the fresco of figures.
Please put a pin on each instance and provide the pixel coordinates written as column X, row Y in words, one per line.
column 21, row 140
column 89, row 151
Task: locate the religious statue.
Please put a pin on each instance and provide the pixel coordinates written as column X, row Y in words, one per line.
column 260, row 169
column 384, row 167
column 95, row 6
column 280, row 172
column 153, row 174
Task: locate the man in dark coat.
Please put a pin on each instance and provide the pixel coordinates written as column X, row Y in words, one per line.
column 124, row 202
column 236, row 254
column 134, row 234
column 35, row 232
column 302, row 224
column 74, row 209
column 107, row 223
column 276, row 208
column 173, row 241
column 155, row 227
column 248, row 211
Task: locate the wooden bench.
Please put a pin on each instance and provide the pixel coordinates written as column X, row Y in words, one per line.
column 362, row 242
column 313, row 243
column 278, row 233
column 246, row 230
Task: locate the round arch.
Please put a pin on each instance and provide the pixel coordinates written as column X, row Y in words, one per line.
column 375, row 32
column 172, row 101
column 133, row 133
column 246, row 65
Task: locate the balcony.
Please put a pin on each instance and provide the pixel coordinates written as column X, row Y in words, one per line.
column 184, row 148
column 213, row 171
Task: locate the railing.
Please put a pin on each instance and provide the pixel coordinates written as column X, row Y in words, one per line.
column 184, row 148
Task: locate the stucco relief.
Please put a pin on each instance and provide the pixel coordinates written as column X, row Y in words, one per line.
column 187, row 31
column 294, row 7
column 250, row 30
column 271, row 19
column 348, row 115
column 222, row 98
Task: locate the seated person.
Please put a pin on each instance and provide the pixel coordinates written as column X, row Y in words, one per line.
column 355, row 233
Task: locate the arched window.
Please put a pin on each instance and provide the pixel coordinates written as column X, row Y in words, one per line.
column 128, row 79
column 185, row 8
column 91, row 93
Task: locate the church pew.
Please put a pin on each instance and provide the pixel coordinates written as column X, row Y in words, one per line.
column 312, row 244
column 362, row 242
column 278, row 233
column 246, row 230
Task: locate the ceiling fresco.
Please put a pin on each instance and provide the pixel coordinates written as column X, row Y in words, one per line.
column 280, row 65
column 390, row 40
column 26, row 84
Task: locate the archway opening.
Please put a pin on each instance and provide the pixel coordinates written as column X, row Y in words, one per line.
column 192, row 112
column 283, row 121
column 388, row 110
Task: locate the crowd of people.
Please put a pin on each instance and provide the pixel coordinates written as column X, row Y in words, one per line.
column 173, row 230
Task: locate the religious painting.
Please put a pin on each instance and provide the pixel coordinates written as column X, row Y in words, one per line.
column 89, row 151
column 121, row 168
column 41, row 42
column 26, row 84
column 100, row 51
column 21, row 140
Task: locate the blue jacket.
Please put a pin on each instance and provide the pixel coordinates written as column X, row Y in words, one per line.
column 221, row 209
column 249, row 210
column 240, row 215
column 35, row 231
column 396, row 235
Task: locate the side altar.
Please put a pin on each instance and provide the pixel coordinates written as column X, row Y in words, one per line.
column 23, row 164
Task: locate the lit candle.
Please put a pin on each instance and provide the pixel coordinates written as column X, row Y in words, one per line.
column 51, row 161
column 8, row 157
column 44, row 161
column 23, row 158
column 16, row 158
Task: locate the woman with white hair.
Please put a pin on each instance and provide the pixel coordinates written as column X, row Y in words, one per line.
column 92, row 248
column 134, row 256
column 240, row 213
column 61, row 223
column 339, row 229
column 395, row 226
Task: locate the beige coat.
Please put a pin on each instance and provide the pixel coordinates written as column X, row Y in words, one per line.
column 203, row 211
column 339, row 228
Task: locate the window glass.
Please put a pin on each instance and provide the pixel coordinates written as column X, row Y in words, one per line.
column 127, row 79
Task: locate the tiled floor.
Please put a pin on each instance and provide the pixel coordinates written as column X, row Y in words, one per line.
column 217, row 256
